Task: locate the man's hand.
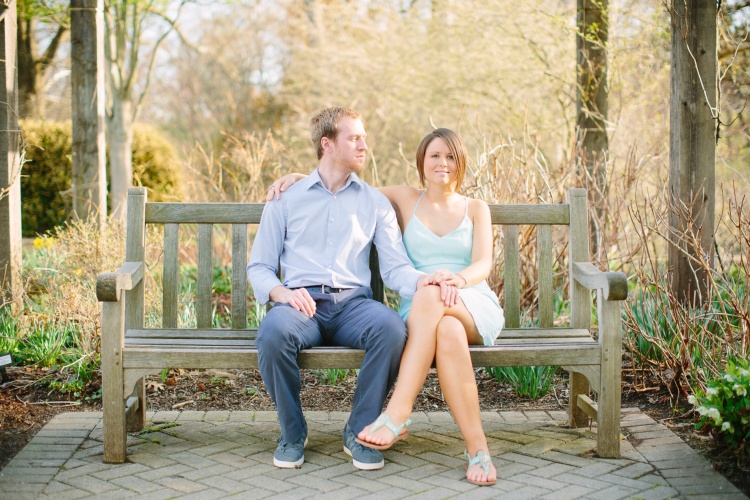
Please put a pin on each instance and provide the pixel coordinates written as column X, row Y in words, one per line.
column 448, row 292
column 299, row 299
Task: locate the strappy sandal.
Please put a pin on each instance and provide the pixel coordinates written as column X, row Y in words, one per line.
column 385, row 421
column 483, row 459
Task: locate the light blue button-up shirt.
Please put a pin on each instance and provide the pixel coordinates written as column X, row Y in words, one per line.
column 322, row 238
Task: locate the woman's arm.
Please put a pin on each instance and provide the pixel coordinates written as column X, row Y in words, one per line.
column 282, row 184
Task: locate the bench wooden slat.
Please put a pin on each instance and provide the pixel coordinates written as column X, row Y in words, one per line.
column 157, row 357
column 530, row 214
column 228, row 334
column 239, row 276
column 170, row 276
column 205, row 275
column 510, row 270
column 204, row 213
column 545, row 270
column 250, row 343
column 249, row 213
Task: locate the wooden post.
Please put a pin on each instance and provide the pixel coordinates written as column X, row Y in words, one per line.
column 592, row 103
column 580, row 297
column 692, row 145
column 11, row 289
column 87, row 82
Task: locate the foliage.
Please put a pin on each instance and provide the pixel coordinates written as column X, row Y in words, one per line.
column 527, row 381
column 47, row 176
column 332, row 376
column 724, row 407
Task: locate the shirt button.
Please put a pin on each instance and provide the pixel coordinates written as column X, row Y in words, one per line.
column 331, row 219
column 330, row 243
column 328, row 266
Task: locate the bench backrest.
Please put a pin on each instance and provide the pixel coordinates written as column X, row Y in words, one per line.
column 239, row 215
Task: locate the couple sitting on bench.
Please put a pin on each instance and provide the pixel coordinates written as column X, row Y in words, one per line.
column 320, row 228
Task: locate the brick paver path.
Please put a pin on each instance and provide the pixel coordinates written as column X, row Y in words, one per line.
column 218, row 454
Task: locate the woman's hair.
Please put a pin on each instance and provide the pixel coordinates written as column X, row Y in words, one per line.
column 455, row 144
column 325, row 123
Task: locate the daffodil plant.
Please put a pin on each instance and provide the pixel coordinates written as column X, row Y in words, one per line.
column 725, row 406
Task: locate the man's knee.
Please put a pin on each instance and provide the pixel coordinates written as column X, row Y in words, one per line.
column 274, row 332
column 391, row 331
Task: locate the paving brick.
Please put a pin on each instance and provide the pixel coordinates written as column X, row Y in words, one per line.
column 90, row 484
column 191, row 416
column 658, row 493
column 388, row 494
column 635, row 470
column 551, row 470
column 120, row 470
column 514, row 416
column 161, row 417
column 317, row 483
column 541, row 482
column 513, row 469
column 538, row 416
column 523, row 459
column 525, row 493
column 563, row 458
column 705, row 469
column 613, row 493
column 137, row 484
column 568, row 493
column 721, row 486
column 345, row 493
column 172, row 470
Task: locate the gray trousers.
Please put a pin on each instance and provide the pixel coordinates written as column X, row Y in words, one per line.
column 351, row 319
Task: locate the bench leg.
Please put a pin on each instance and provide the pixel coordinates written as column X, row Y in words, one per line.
column 136, row 419
column 579, row 385
column 113, row 401
column 610, row 339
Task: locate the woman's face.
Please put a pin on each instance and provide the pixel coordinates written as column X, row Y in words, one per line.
column 439, row 163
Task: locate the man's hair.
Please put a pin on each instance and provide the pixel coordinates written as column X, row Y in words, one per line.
column 325, row 123
column 455, row 144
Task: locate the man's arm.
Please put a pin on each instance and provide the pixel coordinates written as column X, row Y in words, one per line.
column 397, row 270
column 262, row 272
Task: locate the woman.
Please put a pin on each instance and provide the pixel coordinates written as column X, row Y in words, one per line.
column 450, row 236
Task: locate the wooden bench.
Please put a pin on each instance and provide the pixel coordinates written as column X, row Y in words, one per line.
column 130, row 351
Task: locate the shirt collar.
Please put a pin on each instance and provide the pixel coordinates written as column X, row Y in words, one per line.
column 314, row 179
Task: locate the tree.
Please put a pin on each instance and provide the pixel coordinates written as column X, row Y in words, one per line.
column 692, row 152
column 87, row 81
column 125, row 50
column 33, row 64
column 592, row 103
column 10, row 164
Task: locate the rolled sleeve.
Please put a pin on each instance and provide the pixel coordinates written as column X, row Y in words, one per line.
column 397, row 270
column 262, row 271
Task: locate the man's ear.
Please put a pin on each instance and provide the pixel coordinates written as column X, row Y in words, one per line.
column 326, row 143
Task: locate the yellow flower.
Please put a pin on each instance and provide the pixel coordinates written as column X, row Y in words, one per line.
column 38, row 242
column 78, row 272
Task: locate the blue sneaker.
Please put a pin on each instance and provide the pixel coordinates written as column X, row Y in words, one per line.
column 290, row 455
column 363, row 458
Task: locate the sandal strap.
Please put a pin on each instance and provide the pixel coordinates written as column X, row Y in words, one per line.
column 482, row 458
column 385, row 421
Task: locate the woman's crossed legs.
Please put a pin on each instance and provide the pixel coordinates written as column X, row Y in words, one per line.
column 436, row 331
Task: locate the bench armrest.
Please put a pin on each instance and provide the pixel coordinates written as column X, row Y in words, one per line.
column 109, row 285
column 614, row 285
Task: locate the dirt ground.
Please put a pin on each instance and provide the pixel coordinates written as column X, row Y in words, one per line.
column 25, row 406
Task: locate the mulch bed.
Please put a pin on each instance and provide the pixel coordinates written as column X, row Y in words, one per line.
column 25, row 406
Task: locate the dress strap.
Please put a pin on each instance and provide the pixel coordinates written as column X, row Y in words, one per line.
column 415, row 206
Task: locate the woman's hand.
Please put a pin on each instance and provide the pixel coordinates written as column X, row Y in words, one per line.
column 442, row 276
column 282, row 184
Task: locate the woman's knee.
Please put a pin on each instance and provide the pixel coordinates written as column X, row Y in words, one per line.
column 428, row 297
column 451, row 334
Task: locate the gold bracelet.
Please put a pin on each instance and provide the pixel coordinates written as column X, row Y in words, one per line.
column 462, row 277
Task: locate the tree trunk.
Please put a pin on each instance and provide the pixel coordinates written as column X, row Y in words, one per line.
column 120, row 140
column 692, row 147
column 32, row 68
column 592, row 106
column 29, row 102
column 11, row 290
column 87, row 81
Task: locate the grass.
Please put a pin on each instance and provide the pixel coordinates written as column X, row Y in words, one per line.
column 527, row 381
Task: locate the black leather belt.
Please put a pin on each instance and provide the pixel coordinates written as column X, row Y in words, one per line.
column 325, row 289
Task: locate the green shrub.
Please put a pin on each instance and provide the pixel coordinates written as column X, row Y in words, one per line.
column 527, row 381
column 724, row 408
column 46, row 175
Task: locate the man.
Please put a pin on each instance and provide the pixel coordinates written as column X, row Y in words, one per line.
column 321, row 230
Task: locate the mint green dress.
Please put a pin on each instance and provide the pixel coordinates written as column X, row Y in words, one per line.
column 430, row 252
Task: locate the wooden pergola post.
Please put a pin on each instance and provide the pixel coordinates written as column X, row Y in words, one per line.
column 10, row 163
column 692, row 147
column 87, row 83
